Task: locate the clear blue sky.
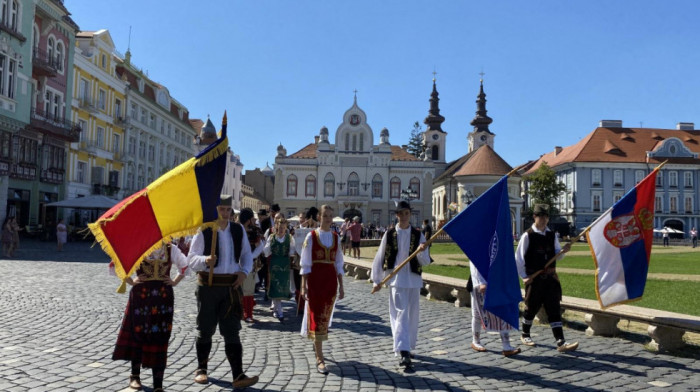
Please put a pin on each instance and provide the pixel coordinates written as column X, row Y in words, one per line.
column 284, row 69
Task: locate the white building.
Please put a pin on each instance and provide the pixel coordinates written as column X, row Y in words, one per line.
column 352, row 174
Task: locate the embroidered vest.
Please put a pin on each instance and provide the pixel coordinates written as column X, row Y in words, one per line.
column 157, row 268
column 237, row 235
column 320, row 253
column 392, row 249
column 539, row 251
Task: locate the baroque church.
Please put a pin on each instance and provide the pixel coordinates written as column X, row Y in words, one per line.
column 354, row 175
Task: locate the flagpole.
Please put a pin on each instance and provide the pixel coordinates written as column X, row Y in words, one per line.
column 215, row 230
column 427, row 243
column 583, row 233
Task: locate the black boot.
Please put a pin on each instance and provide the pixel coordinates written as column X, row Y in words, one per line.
column 234, row 354
column 405, row 359
column 203, row 350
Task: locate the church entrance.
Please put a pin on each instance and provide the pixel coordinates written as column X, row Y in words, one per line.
column 351, row 213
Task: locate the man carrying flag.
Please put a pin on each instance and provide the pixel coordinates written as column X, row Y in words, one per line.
column 537, row 246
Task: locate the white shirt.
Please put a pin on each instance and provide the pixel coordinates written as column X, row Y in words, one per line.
column 225, row 253
column 404, row 278
column 523, row 245
column 268, row 245
column 326, row 238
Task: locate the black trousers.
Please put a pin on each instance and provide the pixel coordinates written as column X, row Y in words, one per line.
column 545, row 291
column 219, row 306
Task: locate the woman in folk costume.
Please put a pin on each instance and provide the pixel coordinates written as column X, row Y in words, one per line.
column 321, row 280
column 148, row 318
column 487, row 320
column 280, row 248
column 309, row 222
column 257, row 243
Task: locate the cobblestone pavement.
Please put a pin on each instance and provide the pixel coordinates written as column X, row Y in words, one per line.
column 59, row 322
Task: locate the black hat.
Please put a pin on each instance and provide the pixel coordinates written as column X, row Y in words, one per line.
column 245, row 215
column 262, row 211
column 312, row 213
column 275, row 208
column 402, row 205
column 226, row 200
column 541, row 209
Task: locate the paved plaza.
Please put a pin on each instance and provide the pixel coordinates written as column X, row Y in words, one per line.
column 59, row 322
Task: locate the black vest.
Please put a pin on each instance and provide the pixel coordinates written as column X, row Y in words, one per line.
column 237, row 235
column 392, row 249
column 539, row 251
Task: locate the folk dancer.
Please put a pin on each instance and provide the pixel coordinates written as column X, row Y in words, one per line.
column 321, row 281
column 280, row 249
column 309, row 222
column 257, row 243
column 148, row 318
column 231, row 261
column 535, row 248
column 397, row 244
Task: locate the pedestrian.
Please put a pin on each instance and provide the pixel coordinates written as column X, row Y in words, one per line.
column 7, row 238
column 280, row 249
column 355, row 231
column 229, row 260
column 536, row 247
column 264, row 222
column 484, row 320
column 694, row 237
column 148, row 318
column 321, row 283
column 257, row 243
column 665, row 237
column 15, row 233
column 61, row 234
column 397, row 244
column 427, row 230
column 344, row 235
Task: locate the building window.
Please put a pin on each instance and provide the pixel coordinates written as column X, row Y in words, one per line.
column 132, row 145
column 103, row 61
column 81, row 172
column 310, row 186
column 8, row 71
column 673, row 179
column 617, row 178
column 414, row 185
column 617, row 196
column 143, row 116
column 152, row 121
column 134, row 111
column 376, row 215
column 354, row 142
column 102, row 100
column 596, row 177
column 292, row 185
column 347, row 142
column 329, row 185
column 118, row 109
column 142, row 149
column 100, row 138
column 688, row 179
column 362, row 142
column 115, row 143
column 59, row 56
column 596, row 202
column 353, row 184
column 658, row 204
column 10, row 9
column 638, row 176
column 673, row 204
column 659, row 179
column 436, row 153
column 377, row 186
column 395, row 188
column 84, row 91
column 151, row 153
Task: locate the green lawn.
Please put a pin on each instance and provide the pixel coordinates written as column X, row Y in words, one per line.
column 687, row 263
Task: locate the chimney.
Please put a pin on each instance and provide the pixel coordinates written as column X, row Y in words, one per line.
column 610, row 124
column 557, row 150
column 316, row 137
column 685, row 126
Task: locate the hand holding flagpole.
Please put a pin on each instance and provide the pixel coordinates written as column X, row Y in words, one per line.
column 421, row 248
column 215, row 230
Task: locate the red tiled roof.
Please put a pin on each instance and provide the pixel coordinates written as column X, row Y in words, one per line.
column 484, row 161
column 619, row 145
column 308, row 152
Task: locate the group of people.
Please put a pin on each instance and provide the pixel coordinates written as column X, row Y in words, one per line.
column 223, row 259
column 10, row 236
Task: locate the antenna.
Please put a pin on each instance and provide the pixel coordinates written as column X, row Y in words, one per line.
column 128, row 46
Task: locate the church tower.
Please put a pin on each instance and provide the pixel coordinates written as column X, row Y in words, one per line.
column 434, row 138
column 481, row 134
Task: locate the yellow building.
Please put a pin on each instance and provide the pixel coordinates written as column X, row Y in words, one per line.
column 96, row 162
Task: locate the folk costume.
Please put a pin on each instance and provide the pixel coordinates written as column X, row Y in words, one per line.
column 220, row 304
column 397, row 244
column 482, row 319
column 148, row 318
column 535, row 249
column 300, row 234
column 280, row 251
column 321, row 262
column 249, row 284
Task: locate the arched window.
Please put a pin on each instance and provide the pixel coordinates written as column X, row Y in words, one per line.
column 14, row 11
column 395, row 188
column 347, row 142
column 50, row 49
column 354, row 142
column 310, row 185
column 329, row 185
column 59, row 56
column 362, row 142
column 414, row 185
column 377, row 186
column 292, row 185
column 353, row 184
column 436, row 153
column 35, row 38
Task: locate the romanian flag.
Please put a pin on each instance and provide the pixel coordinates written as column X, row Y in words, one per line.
column 620, row 241
column 176, row 204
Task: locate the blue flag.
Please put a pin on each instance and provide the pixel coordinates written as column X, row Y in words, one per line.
column 484, row 233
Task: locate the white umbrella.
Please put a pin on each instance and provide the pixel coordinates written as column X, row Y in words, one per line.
column 672, row 230
column 338, row 219
column 295, row 218
column 100, row 202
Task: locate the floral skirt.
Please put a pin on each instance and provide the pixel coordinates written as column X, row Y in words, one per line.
column 146, row 327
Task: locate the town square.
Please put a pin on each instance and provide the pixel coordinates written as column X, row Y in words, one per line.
column 349, row 196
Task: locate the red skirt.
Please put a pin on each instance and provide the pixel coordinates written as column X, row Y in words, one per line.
column 322, row 286
column 146, row 327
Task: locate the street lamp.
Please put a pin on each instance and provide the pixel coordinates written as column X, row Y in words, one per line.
column 467, row 197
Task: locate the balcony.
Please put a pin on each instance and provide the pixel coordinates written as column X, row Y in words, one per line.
column 121, row 121
column 12, row 31
column 43, row 64
column 104, row 189
column 52, row 176
column 88, row 146
column 23, row 171
column 57, row 126
column 87, row 104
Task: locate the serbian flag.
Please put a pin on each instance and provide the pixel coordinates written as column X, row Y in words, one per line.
column 176, row 204
column 484, row 232
column 620, row 242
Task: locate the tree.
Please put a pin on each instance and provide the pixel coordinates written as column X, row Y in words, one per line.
column 544, row 188
column 415, row 141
